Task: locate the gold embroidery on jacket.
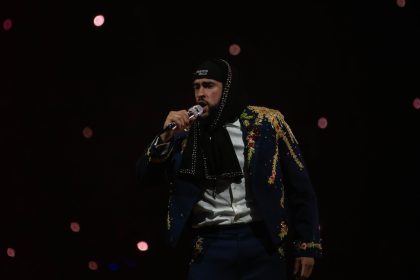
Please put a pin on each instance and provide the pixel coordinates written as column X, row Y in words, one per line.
column 308, row 245
column 197, row 249
column 284, row 229
column 274, row 166
column 169, row 218
column 283, row 131
column 282, row 196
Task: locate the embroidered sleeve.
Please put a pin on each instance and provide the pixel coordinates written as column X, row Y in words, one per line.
column 159, row 152
column 287, row 136
column 282, row 129
column 308, row 249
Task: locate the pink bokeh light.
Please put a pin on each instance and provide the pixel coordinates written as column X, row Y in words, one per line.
column 322, row 123
column 11, row 252
column 93, row 265
column 234, row 49
column 87, row 132
column 7, row 24
column 416, row 103
column 401, row 3
column 98, row 20
column 143, row 246
column 75, row 227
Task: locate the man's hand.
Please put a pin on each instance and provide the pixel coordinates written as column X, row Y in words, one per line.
column 303, row 267
column 180, row 118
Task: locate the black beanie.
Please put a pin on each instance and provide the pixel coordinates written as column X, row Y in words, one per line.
column 211, row 69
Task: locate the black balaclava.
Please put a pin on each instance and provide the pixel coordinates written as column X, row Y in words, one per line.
column 209, row 154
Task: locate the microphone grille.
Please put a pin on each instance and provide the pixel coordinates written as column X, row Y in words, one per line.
column 196, row 110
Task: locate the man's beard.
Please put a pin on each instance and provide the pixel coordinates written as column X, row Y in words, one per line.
column 211, row 114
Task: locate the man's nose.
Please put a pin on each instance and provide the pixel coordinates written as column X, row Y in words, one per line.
column 200, row 91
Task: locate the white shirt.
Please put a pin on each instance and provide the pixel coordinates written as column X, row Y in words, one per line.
column 231, row 203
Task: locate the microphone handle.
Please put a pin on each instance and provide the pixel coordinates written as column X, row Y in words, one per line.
column 173, row 125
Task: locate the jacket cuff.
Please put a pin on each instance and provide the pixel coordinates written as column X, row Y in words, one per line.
column 307, row 249
column 159, row 152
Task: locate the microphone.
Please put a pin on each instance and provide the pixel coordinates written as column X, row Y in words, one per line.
column 193, row 112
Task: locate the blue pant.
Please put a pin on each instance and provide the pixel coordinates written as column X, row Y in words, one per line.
column 241, row 252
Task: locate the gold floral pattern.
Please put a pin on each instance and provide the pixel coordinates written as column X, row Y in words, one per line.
column 252, row 134
column 284, row 229
column 168, row 221
column 253, row 118
column 272, row 178
column 282, row 196
column 169, row 218
column 281, row 251
column 251, row 145
column 197, row 248
column 308, row 245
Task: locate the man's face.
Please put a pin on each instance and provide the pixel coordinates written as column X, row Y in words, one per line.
column 208, row 93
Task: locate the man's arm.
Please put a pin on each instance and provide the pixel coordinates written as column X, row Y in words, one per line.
column 151, row 164
column 302, row 202
column 300, row 195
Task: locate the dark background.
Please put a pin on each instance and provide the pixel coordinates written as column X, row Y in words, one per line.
column 354, row 62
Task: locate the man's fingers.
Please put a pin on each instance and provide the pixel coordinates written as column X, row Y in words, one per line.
column 302, row 271
column 180, row 122
column 303, row 267
column 180, row 118
column 307, row 271
column 307, row 265
column 296, row 266
column 177, row 117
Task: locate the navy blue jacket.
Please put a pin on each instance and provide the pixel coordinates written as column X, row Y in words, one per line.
column 278, row 178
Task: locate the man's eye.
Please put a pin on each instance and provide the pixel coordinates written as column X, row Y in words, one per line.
column 204, row 85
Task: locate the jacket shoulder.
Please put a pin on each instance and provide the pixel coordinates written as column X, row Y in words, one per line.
column 264, row 111
column 260, row 113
